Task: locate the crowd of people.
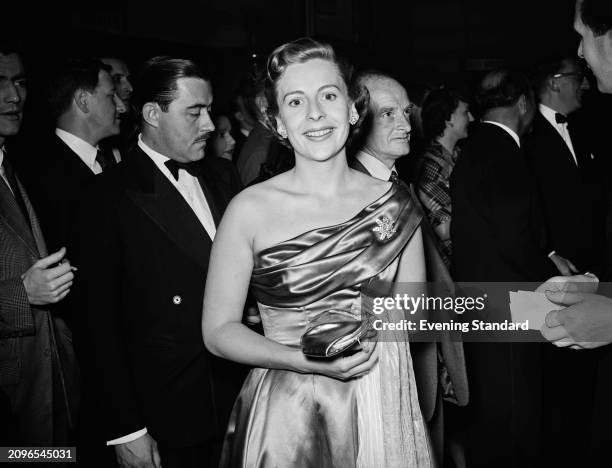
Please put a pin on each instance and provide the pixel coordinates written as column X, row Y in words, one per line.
column 162, row 260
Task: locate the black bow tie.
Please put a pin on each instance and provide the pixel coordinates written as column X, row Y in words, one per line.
column 560, row 118
column 174, row 166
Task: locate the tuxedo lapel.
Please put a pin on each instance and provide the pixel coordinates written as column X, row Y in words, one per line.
column 583, row 155
column 554, row 138
column 14, row 219
column 153, row 193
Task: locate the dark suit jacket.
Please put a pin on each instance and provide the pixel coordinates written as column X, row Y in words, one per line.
column 55, row 186
column 498, row 235
column 38, row 371
column 143, row 257
column 497, row 229
column 570, row 194
column 425, row 358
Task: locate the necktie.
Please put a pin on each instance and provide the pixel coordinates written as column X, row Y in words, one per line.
column 9, row 173
column 394, row 178
column 560, row 118
column 174, row 166
column 105, row 158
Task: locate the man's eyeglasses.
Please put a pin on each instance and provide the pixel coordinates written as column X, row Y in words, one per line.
column 577, row 74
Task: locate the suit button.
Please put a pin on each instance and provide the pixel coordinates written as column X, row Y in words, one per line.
column 177, row 300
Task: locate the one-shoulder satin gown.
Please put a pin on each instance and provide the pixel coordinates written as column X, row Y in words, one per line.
column 286, row 419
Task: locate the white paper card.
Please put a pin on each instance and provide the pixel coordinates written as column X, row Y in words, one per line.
column 530, row 306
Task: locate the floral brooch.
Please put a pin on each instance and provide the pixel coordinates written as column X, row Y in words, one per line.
column 385, row 228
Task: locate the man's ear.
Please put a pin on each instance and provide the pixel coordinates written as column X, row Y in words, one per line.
column 150, row 113
column 81, row 100
column 553, row 84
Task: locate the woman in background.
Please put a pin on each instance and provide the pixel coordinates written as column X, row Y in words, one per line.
column 223, row 142
column 445, row 118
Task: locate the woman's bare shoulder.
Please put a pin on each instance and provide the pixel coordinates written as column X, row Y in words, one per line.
column 254, row 199
column 369, row 185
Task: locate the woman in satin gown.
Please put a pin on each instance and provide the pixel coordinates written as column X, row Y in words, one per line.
column 309, row 242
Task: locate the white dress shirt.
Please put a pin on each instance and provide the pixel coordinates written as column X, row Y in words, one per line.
column 83, row 150
column 375, row 166
column 2, row 174
column 508, row 130
column 549, row 114
column 188, row 186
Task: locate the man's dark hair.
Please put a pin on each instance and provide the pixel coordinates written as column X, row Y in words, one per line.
column 69, row 76
column 157, row 82
column 597, row 15
column 10, row 45
column 501, row 88
column 438, row 108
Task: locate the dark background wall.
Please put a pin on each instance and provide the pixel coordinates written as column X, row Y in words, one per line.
column 418, row 40
column 409, row 36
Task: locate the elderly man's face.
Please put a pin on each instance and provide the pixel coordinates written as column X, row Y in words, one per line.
column 596, row 50
column 12, row 95
column 389, row 137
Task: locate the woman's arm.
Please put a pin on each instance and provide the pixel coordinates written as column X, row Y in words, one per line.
column 229, row 273
column 411, row 275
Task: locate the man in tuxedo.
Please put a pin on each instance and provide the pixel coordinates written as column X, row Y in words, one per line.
column 570, row 184
column 497, row 235
column 38, row 371
column 384, row 138
column 83, row 100
column 142, row 240
column 568, row 177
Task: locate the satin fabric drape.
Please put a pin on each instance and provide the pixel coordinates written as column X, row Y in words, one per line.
column 287, row 419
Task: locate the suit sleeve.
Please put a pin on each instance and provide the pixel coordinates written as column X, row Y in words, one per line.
column 15, row 313
column 97, row 253
column 514, row 215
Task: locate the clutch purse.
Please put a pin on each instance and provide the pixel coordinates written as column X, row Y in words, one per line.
column 329, row 339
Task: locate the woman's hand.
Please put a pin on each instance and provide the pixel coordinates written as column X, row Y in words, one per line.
column 342, row 367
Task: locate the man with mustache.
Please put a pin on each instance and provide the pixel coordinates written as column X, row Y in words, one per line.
column 83, row 101
column 38, row 371
column 142, row 240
